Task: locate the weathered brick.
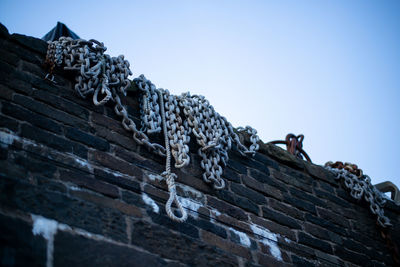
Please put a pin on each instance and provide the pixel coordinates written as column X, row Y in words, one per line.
column 171, row 245
column 267, row 260
column 239, row 201
column 262, row 177
column 50, row 112
column 208, row 226
column 10, row 169
column 300, row 175
column 225, row 245
column 231, row 222
column 347, row 255
column 9, row 123
column 298, row 261
column 195, row 182
column 331, row 198
column 138, row 160
column 274, row 227
column 287, row 209
column 87, row 139
column 322, row 233
column 110, row 124
column 320, row 173
column 308, row 197
column 280, row 218
column 133, row 198
column 115, row 138
column 163, row 195
column 300, row 204
column 248, row 193
column 333, row 217
column 123, row 181
column 224, row 207
column 8, row 57
column 236, row 235
column 327, row 259
column 314, row 242
column 266, row 161
column 326, row 224
column 161, row 218
column 108, row 202
column 327, row 187
column 266, row 189
column 62, row 104
column 46, row 138
column 282, row 156
column 35, row 165
column 18, row 245
column 89, row 182
column 236, row 165
column 22, row 52
column 31, row 117
column 292, row 180
column 80, row 150
column 32, row 43
column 76, row 250
column 50, row 184
column 17, row 194
column 6, row 70
column 231, row 175
column 114, row 163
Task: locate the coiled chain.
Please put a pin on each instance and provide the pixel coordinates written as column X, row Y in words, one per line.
column 360, row 185
column 98, row 74
column 213, row 132
column 177, row 116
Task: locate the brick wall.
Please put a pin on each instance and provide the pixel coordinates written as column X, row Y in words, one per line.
column 76, row 190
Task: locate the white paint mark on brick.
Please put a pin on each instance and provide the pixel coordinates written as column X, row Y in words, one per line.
column 243, row 238
column 153, row 177
column 215, row 212
column 74, row 188
column 268, row 238
column 83, row 163
column 7, row 139
column 150, row 202
column 190, row 191
column 46, row 228
column 191, row 206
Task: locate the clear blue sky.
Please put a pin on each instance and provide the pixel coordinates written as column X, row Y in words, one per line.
column 327, row 69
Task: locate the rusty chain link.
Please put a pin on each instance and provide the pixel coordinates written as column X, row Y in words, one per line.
column 294, row 145
column 360, row 185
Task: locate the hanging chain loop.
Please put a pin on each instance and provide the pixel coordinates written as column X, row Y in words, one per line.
column 106, row 78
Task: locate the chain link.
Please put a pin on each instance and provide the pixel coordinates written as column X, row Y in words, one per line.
column 98, row 74
column 360, row 185
column 106, row 78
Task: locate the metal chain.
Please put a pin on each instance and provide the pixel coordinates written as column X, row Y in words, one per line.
column 360, row 185
column 98, row 74
column 179, row 116
column 149, row 108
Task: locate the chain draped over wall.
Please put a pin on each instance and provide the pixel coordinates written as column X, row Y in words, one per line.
column 360, row 185
column 175, row 116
